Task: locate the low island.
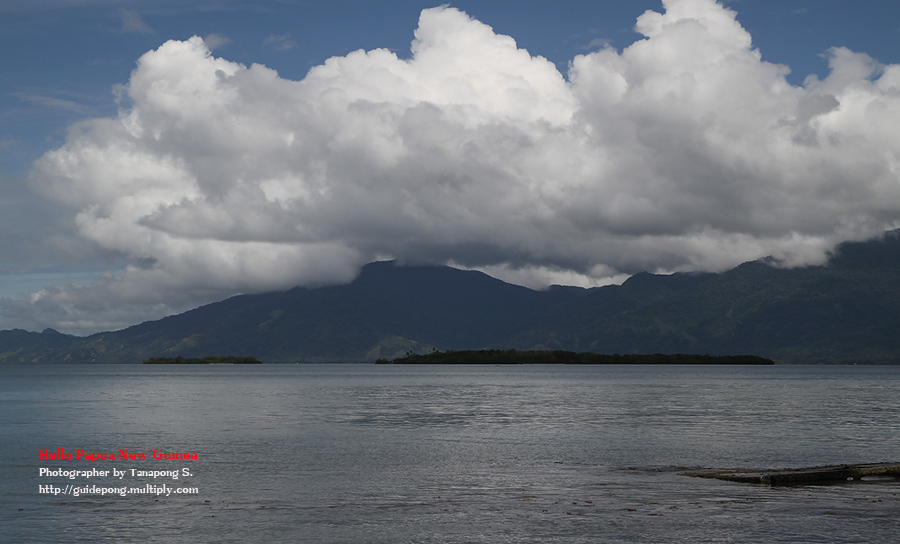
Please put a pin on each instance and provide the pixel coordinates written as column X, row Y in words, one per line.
column 208, row 360
column 557, row 357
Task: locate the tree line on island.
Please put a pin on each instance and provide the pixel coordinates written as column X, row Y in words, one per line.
column 508, row 357
column 558, row 357
column 208, row 360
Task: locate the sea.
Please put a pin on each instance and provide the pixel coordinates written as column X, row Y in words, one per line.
column 360, row 453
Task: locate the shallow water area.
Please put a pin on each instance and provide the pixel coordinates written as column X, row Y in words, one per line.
column 381, row 453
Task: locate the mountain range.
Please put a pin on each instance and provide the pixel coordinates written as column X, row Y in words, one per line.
column 847, row 311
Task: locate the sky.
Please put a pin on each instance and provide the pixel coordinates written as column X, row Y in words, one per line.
column 160, row 155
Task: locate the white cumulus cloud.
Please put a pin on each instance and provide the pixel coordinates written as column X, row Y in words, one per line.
column 684, row 151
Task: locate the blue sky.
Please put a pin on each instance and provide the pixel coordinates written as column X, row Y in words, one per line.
column 69, row 259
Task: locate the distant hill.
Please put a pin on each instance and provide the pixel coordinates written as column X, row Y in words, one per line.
column 847, row 311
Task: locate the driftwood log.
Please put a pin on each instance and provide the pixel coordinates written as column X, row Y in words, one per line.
column 797, row 476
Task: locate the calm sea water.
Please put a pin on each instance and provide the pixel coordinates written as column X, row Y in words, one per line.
column 366, row 453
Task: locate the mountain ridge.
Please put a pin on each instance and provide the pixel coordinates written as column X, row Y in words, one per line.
column 841, row 312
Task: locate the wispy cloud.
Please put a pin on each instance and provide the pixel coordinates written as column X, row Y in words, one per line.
column 132, row 22
column 597, row 43
column 281, row 42
column 214, row 41
column 45, row 101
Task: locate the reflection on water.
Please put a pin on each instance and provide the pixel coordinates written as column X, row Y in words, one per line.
column 356, row 453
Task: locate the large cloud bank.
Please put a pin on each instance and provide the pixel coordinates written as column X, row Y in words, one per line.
column 684, row 151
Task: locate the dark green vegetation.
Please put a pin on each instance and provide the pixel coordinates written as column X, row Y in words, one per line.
column 845, row 312
column 208, row 360
column 558, row 357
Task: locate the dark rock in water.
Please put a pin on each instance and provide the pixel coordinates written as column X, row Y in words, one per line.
column 798, row 476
